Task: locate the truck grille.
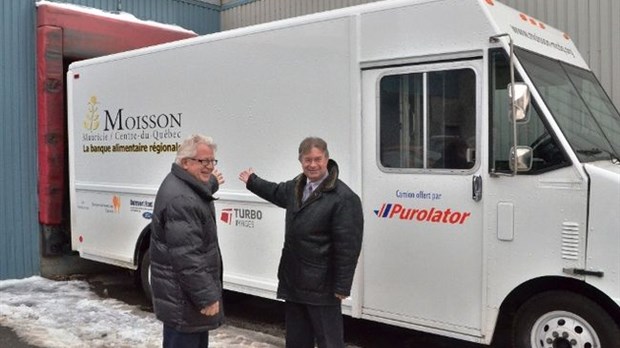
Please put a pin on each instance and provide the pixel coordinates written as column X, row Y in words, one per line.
column 570, row 241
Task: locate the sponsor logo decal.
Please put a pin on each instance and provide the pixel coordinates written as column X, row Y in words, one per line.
column 116, row 203
column 101, row 203
column 144, row 206
column 246, row 218
column 432, row 215
column 111, row 205
column 226, row 215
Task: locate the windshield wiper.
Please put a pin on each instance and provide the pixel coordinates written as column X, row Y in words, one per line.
column 615, row 159
column 590, row 152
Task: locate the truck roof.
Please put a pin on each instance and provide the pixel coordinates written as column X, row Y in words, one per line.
column 532, row 34
column 396, row 29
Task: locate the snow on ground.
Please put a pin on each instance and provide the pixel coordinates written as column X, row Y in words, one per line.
column 67, row 314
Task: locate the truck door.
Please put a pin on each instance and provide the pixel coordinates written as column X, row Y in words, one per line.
column 422, row 251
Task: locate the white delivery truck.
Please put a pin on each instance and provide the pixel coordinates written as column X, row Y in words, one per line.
column 483, row 147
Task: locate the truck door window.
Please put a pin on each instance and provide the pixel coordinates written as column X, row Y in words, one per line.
column 547, row 153
column 428, row 120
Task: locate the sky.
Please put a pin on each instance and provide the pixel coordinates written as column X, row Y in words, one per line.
column 67, row 314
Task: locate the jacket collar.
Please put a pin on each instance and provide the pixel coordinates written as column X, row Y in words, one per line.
column 202, row 189
column 327, row 185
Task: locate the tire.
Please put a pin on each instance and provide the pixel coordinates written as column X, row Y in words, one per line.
column 560, row 319
column 145, row 275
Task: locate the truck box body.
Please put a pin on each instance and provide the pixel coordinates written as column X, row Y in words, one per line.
column 391, row 86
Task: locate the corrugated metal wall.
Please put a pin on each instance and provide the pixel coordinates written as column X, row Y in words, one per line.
column 19, row 227
column 593, row 24
column 241, row 13
column 199, row 16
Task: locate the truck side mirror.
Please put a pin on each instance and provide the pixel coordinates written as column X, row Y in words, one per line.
column 524, row 160
column 521, row 101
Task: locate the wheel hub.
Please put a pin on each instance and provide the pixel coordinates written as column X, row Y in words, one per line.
column 561, row 329
column 562, row 343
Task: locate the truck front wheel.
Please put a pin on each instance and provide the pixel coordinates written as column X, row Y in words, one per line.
column 145, row 274
column 559, row 319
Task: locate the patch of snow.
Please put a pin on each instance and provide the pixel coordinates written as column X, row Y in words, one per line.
column 67, row 314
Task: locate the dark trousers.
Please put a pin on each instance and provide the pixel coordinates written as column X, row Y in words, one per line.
column 176, row 339
column 307, row 323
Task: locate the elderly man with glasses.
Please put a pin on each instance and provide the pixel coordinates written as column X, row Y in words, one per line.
column 186, row 264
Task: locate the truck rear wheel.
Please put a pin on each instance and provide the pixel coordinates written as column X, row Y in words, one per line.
column 145, row 274
column 559, row 319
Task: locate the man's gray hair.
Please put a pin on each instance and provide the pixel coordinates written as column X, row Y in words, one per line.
column 311, row 142
column 189, row 146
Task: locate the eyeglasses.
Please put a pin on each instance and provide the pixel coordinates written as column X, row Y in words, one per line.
column 205, row 162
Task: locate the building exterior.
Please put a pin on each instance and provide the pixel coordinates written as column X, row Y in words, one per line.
column 594, row 25
column 22, row 242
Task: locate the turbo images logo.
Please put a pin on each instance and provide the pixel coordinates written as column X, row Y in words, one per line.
column 432, row 215
column 241, row 217
column 227, row 215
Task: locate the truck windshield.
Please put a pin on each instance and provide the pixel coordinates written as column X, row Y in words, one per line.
column 579, row 105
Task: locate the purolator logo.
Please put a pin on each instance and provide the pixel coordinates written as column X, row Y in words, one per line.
column 241, row 217
column 432, row 215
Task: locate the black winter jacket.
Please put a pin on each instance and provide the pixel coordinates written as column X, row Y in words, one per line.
column 322, row 240
column 186, row 265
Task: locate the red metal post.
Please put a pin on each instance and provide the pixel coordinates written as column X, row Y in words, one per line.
column 51, row 133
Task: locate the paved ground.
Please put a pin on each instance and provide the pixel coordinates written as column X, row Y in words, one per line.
column 8, row 339
column 259, row 315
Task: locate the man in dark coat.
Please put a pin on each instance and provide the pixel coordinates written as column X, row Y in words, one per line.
column 322, row 242
column 186, row 265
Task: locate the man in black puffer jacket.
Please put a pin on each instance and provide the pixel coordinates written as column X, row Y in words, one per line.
column 322, row 242
column 186, row 265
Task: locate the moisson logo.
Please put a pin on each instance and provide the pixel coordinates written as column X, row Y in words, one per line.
column 162, row 124
column 432, row 215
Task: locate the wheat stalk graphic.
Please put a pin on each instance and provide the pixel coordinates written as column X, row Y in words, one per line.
column 91, row 122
